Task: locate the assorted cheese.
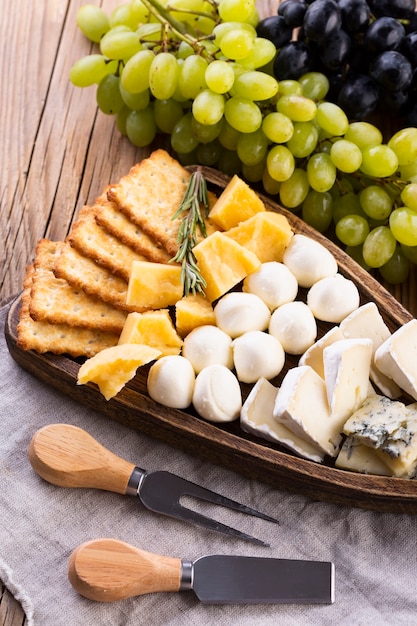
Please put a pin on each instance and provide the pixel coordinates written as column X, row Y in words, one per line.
column 332, row 298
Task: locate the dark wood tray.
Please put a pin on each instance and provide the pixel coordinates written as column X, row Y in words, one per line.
column 227, row 445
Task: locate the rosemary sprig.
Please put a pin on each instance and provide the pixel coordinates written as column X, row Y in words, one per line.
column 194, row 201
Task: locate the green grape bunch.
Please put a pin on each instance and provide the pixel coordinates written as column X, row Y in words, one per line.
column 199, row 73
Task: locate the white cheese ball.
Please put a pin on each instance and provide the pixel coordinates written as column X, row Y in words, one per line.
column 206, row 345
column 217, row 395
column 309, row 260
column 294, row 326
column 333, row 298
column 171, row 381
column 237, row 313
column 257, row 355
column 274, row 283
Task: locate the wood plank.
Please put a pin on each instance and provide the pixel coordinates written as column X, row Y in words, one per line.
column 11, row 612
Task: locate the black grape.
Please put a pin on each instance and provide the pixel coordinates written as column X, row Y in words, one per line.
column 359, row 97
column 409, row 48
column 335, row 51
column 401, row 9
column 275, row 29
column 322, row 18
column 355, row 15
column 293, row 12
column 293, row 60
column 385, row 33
column 392, row 70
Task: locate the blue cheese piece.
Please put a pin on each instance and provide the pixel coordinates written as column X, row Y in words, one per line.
column 397, row 358
column 313, row 356
column 256, row 418
column 377, row 419
column 301, row 405
column 356, row 457
column 367, row 322
column 346, row 374
column 399, row 450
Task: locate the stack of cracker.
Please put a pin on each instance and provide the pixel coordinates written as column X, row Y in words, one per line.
column 74, row 297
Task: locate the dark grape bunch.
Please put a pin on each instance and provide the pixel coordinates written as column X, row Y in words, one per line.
column 219, row 87
column 367, row 49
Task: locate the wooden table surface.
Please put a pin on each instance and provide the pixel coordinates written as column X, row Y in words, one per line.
column 58, row 152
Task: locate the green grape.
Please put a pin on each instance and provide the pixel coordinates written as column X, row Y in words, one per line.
column 410, row 252
column 209, row 153
column 188, row 158
column 280, row 163
column 404, row 144
column 207, row 134
column 317, row 210
column 120, row 45
column 163, row 75
column 376, row 202
column 150, row 33
column 167, row 113
column 342, row 185
column 93, row 22
column 409, row 172
column 315, row 85
column 121, row 118
column 252, row 148
column 192, row 74
column 255, row 86
column 379, row 161
column 141, row 127
column 135, row 101
column 403, row 224
column 263, row 52
column 184, row 50
column 208, row 107
column 294, row 190
column 352, row 230
column 346, row 155
column 346, row 204
column 226, row 27
column 332, row 119
column 219, row 76
column 135, row 74
column 304, row 139
column 363, row 134
column 321, row 172
column 184, row 10
column 356, row 253
column 378, row 247
column 182, row 137
column 289, row 87
column 139, row 12
column 242, row 114
column 409, row 196
column 254, row 173
column 277, row 127
column 397, row 269
column 236, row 10
column 297, row 108
column 90, row 69
column 237, row 44
column 270, row 185
column 229, row 136
column 123, row 14
column 229, row 163
column 108, row 96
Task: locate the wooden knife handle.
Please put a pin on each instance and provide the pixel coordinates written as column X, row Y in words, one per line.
column 68, row 456
column 106, row 570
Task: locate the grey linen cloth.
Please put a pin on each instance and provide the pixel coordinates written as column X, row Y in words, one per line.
column 374, row 553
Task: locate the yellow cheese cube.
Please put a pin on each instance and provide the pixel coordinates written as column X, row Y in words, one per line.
column 152, row 328
column 193, row 311
column 223, row 263
column 266, row 234
column 237, row 202
column 154, row 285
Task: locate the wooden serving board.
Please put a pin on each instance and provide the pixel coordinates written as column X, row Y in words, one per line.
column 227, row 445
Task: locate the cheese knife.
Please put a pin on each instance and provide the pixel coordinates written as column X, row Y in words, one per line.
column 106, row 570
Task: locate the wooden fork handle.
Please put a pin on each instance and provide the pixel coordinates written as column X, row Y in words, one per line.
column 68, row 456
column 106, row 570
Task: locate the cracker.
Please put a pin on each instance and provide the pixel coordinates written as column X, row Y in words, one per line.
column 93, row 241
column 83, row 273
column 57, row 338
column 119, row 225
column 56, row 301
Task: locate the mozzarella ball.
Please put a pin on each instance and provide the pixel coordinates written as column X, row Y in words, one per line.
column 333, row 298
column 309, row 260
column 273, row 282
column 294, row 326
column 217, row 396
column 237, row 313
column 171, row 381
column 257, row 355
column 206, row 345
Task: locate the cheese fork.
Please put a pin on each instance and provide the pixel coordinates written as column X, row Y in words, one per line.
column 68, row 456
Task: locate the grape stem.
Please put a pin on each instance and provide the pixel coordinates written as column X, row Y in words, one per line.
column 195, row 200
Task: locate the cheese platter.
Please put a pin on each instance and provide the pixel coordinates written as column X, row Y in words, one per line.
column 227, row 444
